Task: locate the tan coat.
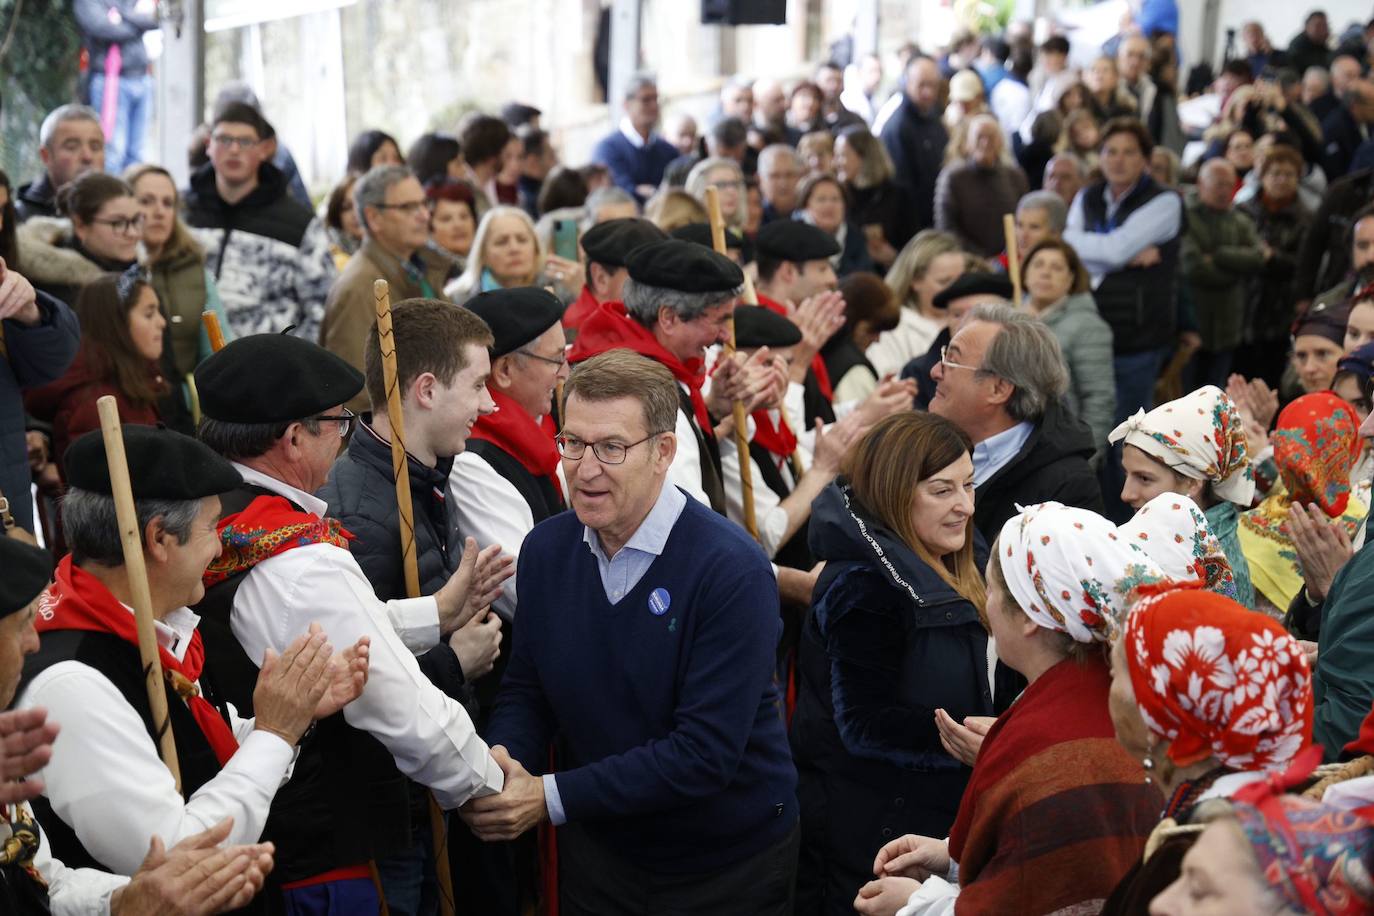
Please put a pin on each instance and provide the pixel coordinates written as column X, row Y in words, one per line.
column 350, row 311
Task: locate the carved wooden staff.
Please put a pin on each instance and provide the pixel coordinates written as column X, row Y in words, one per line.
column 137, row 572
column 746, row 470
column 1013, row 258
column 386, row 342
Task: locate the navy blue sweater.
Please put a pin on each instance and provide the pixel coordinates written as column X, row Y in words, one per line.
column 632, row 166
column 674, row 753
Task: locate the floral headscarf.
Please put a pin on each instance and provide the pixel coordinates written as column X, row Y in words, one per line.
column 1200, row 436
column 1174, row 532
column 1070, row 571
column 1316, row 443
column 1217, row 680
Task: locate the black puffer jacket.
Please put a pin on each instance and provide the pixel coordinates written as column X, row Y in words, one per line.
column 1052, row 465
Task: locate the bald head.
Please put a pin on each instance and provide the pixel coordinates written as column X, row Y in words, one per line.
column 1133, row 58
column 1345, row 70
column 1216, row 182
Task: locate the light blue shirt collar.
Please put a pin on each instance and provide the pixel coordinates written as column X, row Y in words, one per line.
column 622, row 572
column 994, row 452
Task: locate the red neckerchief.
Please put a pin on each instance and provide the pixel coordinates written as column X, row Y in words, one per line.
column 780, row 442
column 577, row 313
column 267, row 526
column 610, row 327
column 817, row 362
column 515, row 432
column 78, row 600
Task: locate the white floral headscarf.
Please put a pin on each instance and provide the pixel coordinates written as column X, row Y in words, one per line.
column 1174, row 532
column 1070, row 570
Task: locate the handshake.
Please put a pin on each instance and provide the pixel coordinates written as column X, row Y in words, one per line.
column 519, row 806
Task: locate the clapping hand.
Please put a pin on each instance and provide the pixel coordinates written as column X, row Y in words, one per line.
column 1322, row 546
column 885, row 896
column 26, row 738
column 962, row 740
column 347, row 677
column 196, row 877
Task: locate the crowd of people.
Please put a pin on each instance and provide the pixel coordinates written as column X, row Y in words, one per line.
column 787, row 532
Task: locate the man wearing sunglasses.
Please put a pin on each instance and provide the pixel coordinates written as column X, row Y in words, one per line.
column 647, row 625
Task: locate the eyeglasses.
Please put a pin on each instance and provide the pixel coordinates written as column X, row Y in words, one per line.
column 345, row 421
column 953, row 365
column 727, row 185
column 560, row 362
column 229, row 142
column 123, row 225
column 409, row 208
column 573, row 449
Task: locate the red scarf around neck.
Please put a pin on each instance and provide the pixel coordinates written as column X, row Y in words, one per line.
column 781, row 442
column 267, row 526
column 515, row 432
column 611, row 327
column 78, row 600
column 818, row 369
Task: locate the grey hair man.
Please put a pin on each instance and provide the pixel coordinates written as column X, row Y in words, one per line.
column 395, row 219
column 634, row 153
column 1065, row 175
column 72, row 143
column 1040, row 215
column 1002, row 380
column 780, row 174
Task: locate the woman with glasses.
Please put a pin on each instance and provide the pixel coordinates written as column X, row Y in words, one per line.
column 893, row 634
column 98, row 233
column 506, row 253
column 727, row 178
column 121, row 348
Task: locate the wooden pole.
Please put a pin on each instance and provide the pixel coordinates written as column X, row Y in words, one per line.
column 212, row 328
column 746, row 470
column 1013, row 258
column 132, row 542
column 386, row 341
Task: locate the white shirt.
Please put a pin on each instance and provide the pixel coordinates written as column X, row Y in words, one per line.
column 769, row 514
column 685, row 471
column 486, row 506
column 71, row 891
column 428, row 733
column 107, row 782
column 628, row 131
column 1011, row 103
column 911, row 338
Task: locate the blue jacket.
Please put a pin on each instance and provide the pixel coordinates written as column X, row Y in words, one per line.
column 630, row 166
column 673, row 749
column 37, row 355
column 916, row 142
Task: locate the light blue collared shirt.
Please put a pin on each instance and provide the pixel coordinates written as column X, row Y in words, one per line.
column 619, row 575
column 1104, row 252
column 993, row 453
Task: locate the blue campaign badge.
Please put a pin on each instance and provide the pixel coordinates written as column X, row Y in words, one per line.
column 659, row 601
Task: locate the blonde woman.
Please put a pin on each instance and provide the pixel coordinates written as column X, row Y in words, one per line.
column 727, row 178
column 929, row 262
column 506, row 253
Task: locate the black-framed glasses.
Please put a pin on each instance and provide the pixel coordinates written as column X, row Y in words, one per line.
column 345, row 421
column 573, row 448
column 560, row 362
column 122, row 225
column 229, row 142
column 409, row 208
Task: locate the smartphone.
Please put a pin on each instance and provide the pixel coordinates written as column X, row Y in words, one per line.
column 565, row 238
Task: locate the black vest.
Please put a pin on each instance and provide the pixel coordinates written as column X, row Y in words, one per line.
column 712, row 479
column 1140, row 303
column 119, row 662
column 794, row 554
column 539, row 492
column 20, row 894
column 346, row 803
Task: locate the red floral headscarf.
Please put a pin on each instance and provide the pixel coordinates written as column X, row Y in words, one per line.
column 1316, row 443
column 1217, row 680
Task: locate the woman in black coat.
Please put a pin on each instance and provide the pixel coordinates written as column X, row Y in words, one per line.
column 893, row 634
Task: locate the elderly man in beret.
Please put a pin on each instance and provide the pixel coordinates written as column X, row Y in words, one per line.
column 196, row 876
column 644, row 645
column 506, row 480
column 678, row 301
column 608, row 246
column 273, row 405
column 106, row 791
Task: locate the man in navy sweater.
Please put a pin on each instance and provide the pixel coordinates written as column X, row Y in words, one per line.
column 647, row 626
column 635, row 154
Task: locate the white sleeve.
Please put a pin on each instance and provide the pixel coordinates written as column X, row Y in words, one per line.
column 427, row 732
column 484, row 505
column 768, row 514
column 106, row 781
column 416, row 622
column 75, row 891
column 935, row 897
column 685, row 470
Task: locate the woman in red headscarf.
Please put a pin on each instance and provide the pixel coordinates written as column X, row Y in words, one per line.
column 1209, row 696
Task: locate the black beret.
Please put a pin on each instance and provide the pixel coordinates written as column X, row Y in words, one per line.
column 756, row 326
column 516, row 315
column 683, row 266
column 273, row 378
column 27, row 571
column 611, row 242
column 162, row 465
column 976, row 284
column 790, row 240
column 700, row 234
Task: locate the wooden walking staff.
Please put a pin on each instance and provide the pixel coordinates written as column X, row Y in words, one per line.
column 1013, row 258
column 746, row 470
column 386, row 344
column 211, row 322
column 132, row 542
